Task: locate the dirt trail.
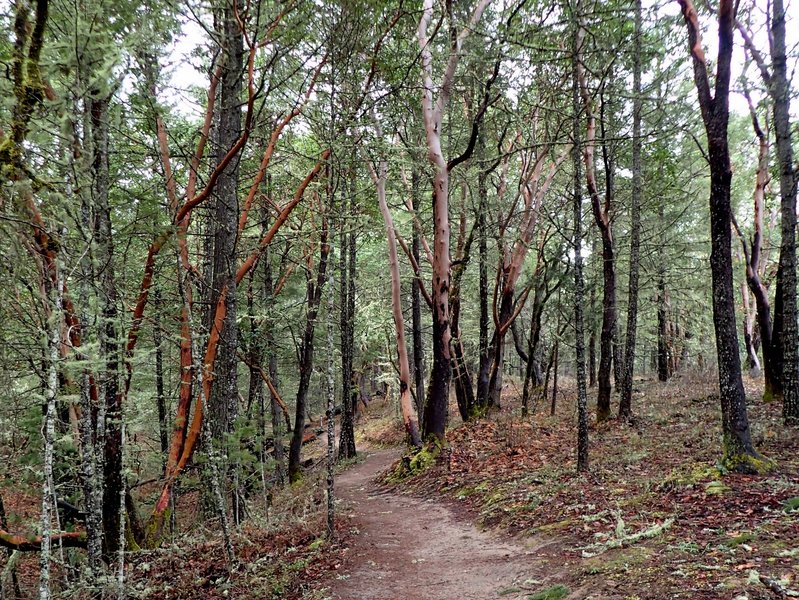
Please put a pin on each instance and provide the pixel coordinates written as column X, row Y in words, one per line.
column 411, row 548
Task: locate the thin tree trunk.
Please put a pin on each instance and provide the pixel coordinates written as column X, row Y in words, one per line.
column 602, row 219
column 330, row 413
column 579, row 292
column 625, row 402
column 160, row 395
column 271, row 351
column 347, row 263
column 314, row 290
column 406, row 404
column 48, row 429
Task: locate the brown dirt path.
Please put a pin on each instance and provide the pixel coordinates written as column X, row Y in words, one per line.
column 406, row 547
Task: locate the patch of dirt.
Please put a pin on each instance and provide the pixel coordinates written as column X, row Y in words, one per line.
column 404, row 547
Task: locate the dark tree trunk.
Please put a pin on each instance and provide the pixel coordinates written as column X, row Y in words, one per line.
column 416, row 324
column 160, row 396
column 592, row 357
column 270, row 348
column 579, row 284
column 461, row 378
column 662, row 356
column 313, row 298
column 347, row 259
column 625, row 401
column 497, row 349
column 484, row 366
column 109, row 345
column 739, row 453
column 223, row 403
column 787, row 338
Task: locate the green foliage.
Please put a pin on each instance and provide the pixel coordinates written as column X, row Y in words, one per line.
column 556, row 592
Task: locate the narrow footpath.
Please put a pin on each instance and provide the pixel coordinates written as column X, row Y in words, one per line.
column 406, row 548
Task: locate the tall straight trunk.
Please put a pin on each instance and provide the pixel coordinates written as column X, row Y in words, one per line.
column 788, row 339
column 223, row 402
column 625, row 402
column 738, row 452
column 347, row 262
column 592, row 356
column 313, row 298
column 416, row 309
column 579, row 291
column 108, row 334
column 484, row 367
column 55, row 289
column 160, row 394
column 662, row 354
column 92, row 418
column 271, row 351
column 330, row 413
column 416, row 326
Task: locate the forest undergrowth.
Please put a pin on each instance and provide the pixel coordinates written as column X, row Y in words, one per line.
column 656, row 516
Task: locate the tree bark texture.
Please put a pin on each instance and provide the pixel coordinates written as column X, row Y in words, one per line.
column 313, row 299
column 223, row 401
column 625, row 401
column 739, row 453
column 579, row 291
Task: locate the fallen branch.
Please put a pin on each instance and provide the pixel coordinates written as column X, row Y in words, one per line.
column 21, row 543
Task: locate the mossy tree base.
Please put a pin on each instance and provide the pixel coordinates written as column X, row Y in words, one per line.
column 747, row 464
column 416, row 463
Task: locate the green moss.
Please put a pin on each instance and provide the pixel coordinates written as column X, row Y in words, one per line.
column 317, row 544
column 690, row 475
column 791, row 505
column 619, row 562
column 556, row 592
column 737, row 461
column 154, row 531
column 716, row 488
column 415, row 464
column 744, row 538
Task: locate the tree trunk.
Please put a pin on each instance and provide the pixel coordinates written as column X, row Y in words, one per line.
column 484, row 367
column 271, row 351
column 436, row 407
column 787, row 340
column 313, row 298
column 739, row 453
column 347, row 262
column 416, row 311
column 108, row 334
column 160, row 395
column 625, row 402
column 579, row 292
column 406, row 403
column 602, row 219
column 223, row 402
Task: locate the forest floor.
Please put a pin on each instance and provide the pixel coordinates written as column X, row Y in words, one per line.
column 406, row 547
column 502, row 512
